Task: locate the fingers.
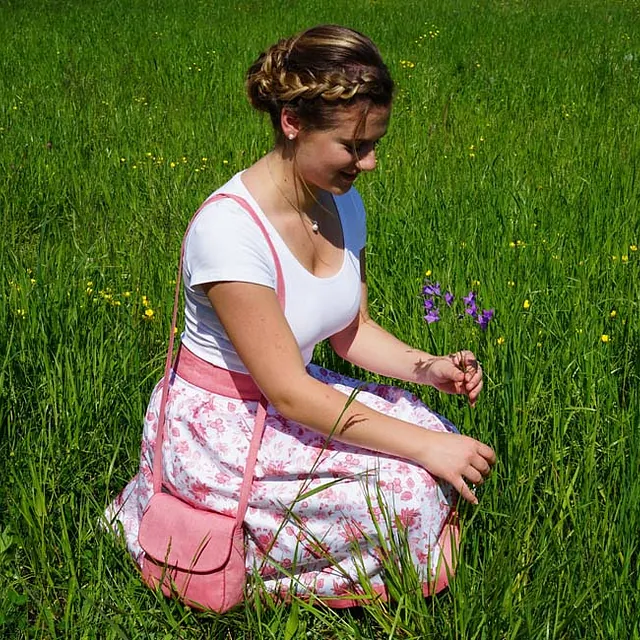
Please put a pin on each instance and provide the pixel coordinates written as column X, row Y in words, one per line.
column 465, row 492
column 457, row 373
column 465, row 360
column 477, row 471
column 475, row 477
column 468, row 364
column 482, row 468
column 474, row 392
column 487, row 453
column 459, row 460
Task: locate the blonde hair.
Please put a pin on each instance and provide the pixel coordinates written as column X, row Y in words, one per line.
column 315, row 72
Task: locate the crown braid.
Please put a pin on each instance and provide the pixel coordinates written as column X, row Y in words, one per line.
column 318, row 68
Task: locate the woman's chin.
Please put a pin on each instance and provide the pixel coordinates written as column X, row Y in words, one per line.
column 343, row 183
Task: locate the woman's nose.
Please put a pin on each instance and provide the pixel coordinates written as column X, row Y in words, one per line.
column 367, row 162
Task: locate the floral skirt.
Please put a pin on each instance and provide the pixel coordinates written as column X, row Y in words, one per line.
column 321, row 512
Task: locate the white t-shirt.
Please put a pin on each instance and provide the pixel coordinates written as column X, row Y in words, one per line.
column 225, row 244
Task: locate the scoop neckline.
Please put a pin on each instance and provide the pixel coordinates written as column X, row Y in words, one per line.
column 280, row 239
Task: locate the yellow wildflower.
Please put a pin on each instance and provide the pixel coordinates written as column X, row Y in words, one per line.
column 604, row 337
column 526, row 304
column 148, row 314
column 613, row 313
column 633, row 247
column 500, row 340
column 625, row 258
column 427, row 273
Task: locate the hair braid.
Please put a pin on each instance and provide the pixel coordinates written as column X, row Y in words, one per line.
column 313, row 70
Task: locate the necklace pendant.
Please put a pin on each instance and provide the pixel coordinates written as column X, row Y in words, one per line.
column 314, row 226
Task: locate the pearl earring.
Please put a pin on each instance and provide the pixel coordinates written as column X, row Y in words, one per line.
column 291, row 136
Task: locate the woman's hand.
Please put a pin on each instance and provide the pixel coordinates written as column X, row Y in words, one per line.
column 457, row 459
column 458, row 372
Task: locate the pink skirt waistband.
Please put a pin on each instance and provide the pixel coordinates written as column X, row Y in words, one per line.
column 209, row 377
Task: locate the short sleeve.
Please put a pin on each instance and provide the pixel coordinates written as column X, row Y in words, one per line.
column 355, row 219
column 361, row 220
column 225, row 243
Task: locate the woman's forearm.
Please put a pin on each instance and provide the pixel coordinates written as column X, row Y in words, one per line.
column 369, row 346
column 454, row 458
column 328, row 411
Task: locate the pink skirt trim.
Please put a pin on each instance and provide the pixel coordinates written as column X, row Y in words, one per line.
column 209, row 377
column 448, row 541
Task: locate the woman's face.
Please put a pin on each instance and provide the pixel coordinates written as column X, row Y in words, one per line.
column 332, row 159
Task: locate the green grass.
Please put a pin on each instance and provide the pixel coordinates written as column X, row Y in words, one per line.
column 514, row 123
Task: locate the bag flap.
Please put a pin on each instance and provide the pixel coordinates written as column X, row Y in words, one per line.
column 175, row 534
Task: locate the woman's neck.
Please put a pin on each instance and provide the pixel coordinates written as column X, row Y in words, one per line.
column 288, row 185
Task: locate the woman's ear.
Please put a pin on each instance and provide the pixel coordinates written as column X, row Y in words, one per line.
column 290, row 124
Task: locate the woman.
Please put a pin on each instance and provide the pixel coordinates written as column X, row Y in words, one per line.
column 329, row 96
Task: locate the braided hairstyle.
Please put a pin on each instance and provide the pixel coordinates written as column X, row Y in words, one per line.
column 315, row 73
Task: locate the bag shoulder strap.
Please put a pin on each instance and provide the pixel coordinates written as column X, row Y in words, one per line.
column 258, row 428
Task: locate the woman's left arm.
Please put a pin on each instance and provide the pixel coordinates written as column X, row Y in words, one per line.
column 366, row 344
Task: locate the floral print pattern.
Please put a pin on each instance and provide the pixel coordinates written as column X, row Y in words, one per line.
column 312, row 498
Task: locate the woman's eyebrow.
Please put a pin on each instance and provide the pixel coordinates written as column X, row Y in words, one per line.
column 361, row 140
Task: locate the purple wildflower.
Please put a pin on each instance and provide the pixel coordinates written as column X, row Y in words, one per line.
column 484, row 318
column 432, row 316
column 472, row 310
column 470, row 299
column 429, row 303
column 449, row 298
column 431, row 289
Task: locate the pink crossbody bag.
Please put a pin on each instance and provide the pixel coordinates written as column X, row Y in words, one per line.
column 193, row 554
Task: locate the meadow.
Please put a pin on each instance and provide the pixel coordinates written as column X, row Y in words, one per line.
column 510, row 169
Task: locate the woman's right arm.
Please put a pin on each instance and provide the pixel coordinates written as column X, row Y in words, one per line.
column 255, row 324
